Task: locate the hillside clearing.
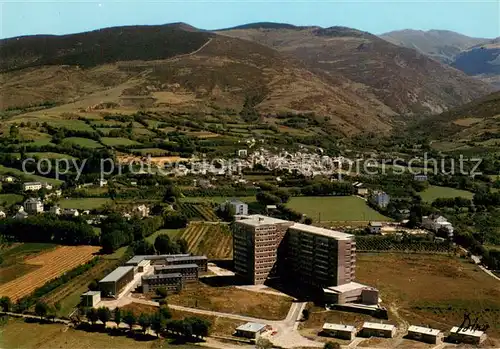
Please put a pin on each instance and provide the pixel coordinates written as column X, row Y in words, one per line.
column 84, row 203
column 434, row 192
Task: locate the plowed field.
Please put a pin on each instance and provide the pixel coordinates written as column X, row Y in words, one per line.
column 50, row 266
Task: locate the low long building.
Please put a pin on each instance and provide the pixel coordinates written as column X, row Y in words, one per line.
column 114, row 282
column 339, row 331
column 351, row 292
column 200, row 261
column 155, row 259
column 189, row 271
column 170, row 282
column 461, row 335
column 425, row 334
column 250, row 330
column 373, row 329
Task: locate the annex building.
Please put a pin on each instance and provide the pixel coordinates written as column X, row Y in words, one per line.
column 266, row 248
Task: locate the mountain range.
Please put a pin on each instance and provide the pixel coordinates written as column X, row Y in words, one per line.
column 355, row 80
column 478, row 57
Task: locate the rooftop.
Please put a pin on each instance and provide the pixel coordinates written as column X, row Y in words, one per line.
column 257, row 219
column 466, row 332
column 139, row 258
column 185, row 258
column 177, row 266
column 251, row 327
column 338, row 327
column 375, row 224
column 377, row 326
column 322, row 231
column 162, row 276
column 351, row 286
column 91, row 293
column 117, row 274
column 424, row 330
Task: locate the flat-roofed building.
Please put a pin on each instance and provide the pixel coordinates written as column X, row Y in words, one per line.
column 155, row 259
column 425, row 334
column 373, row 329
column 142, row 265
column 339, row 331
column 90, row 298
column 114, row 282
column 351, row 292
column 170, row 282
column 250, row 330
column 200, row 261
column 467, row 336
column 189, row 271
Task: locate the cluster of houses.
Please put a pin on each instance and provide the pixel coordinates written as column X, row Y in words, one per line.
column 419, row 333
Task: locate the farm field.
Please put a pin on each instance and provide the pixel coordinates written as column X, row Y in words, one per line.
column 335, row 208
column 10, row 199
column 434, row 290
column 49, row 265
column 378, row 243
column 15, row 172
column 151, row 151
column 83, row 142
column 229, row 299
column 112, row 141
column 84, row 203
column 49, row 155
column 198, row 211
column 172, row 233
column 19, row 334
column 76, row 125
column 213, row 240
column 13, row 256
column 434, row 192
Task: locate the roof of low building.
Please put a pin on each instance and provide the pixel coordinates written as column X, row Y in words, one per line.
column 185, row 258
column 350, row 286
column 251, row 327
column 91, row 293
column 377, row 326
column 162, row 276
column 424, row 330
column 139, row 258
column 339, row 327
column 176, row 266
column 375, row 224
column 467, row 332
column 117, row 274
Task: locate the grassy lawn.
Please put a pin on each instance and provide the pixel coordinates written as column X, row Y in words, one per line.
column 76, row 125
column 50, row 155
column 19, row 334
column 83, row 142
column 335, row 208
column 172, row 233
column 432, row 290
column 15, row 172
column 232, row 300
column 434, row 192
column 112, row 141
column 84, row 203
column 10, row 199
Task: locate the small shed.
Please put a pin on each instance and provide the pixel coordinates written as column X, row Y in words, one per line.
column 425, row 334
column 91, row 298
column 375, row 227
column 460, row 335
column 339, row 331
column 250, row 330
column 373, row 329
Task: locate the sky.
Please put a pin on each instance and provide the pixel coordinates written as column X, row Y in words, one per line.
column 472, row 17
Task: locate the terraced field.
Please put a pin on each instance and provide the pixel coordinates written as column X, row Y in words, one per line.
column 213, row 240
column 51, row 265
column 201, row 211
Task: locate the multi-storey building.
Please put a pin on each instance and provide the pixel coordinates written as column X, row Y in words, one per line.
column 265, row 248
column 171, row 282
column 189, row 272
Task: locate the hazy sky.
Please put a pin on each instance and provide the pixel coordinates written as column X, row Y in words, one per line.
column 473, row 17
